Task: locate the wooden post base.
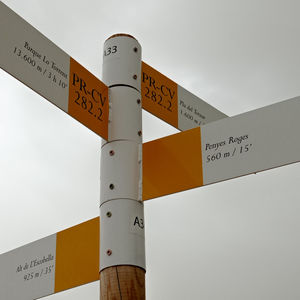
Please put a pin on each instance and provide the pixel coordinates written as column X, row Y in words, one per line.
column 122, row 283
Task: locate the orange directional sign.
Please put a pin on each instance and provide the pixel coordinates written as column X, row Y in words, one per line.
column 53, row 264
column 172, row 103
column 37, row 62
column 248, row 143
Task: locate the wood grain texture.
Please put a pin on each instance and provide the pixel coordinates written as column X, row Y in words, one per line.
column 122, row 283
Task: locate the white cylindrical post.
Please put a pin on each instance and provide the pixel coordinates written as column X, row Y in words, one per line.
column 122, row 239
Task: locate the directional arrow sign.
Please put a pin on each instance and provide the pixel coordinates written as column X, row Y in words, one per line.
column 53, row 264
column 37, row 62
column 255, row 141
column 172, row 103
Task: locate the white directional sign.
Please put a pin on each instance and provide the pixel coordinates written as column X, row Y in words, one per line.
column 28, row 272
column 172, row 103
column 37, row 62
column 255, row 141
column 53, row 264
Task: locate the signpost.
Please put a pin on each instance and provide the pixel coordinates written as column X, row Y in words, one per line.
column 122, row 251
column 211, row 148
column 53, row 264
column 37, row 62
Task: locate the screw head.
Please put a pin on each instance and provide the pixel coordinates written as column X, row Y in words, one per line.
column 111, row 186
column 108, row 214
column 111, row 152
column 134, row 77
column 140, row 132
column 135, row 49
column 109, row 252
column 138, row 101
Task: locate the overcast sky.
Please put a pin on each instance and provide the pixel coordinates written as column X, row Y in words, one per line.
column 235, row 240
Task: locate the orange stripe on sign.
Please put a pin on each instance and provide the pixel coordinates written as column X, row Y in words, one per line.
column 172, row 164
column 159, row 95
column 77, row 255
column 88, row 99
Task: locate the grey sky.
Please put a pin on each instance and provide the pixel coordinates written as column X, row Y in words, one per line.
column 228, row 241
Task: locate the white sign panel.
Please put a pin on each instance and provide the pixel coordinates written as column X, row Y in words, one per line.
column 194, row 112
column 28, row 272
column 251, row 142
column 31, row 57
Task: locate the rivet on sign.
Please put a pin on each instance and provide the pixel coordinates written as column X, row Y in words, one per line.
column 111, row 152
column 140, row 133
column 109, row 252
column 138, row 101
column 111, row 186
column 135, row 49
column 108, row 214
column 134, row 77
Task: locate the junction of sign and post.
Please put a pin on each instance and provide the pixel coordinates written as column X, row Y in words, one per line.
column 221, row 150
